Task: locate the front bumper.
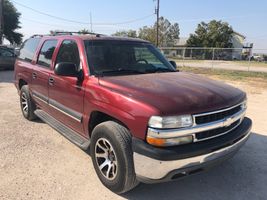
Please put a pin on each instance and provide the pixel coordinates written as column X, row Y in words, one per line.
column 154, row 164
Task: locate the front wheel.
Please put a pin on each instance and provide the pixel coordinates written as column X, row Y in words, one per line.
column 112, row 156
column 26, row 103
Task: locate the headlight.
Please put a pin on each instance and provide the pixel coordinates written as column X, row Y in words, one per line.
column 170, row 122
column 244, row 105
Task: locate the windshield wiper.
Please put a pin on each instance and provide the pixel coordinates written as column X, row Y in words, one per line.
column 159, row 70
column 120, row 70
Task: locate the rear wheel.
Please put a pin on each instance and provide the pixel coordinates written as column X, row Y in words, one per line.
column 26, row 103
column 112, row 156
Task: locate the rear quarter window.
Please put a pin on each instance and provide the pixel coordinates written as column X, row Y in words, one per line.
column 28, row 49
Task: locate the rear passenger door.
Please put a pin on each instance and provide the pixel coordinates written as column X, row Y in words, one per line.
column 41, row 73
column 66, row 93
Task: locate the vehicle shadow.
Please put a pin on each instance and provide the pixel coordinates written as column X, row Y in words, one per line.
column 242, row 177
column 6, row 76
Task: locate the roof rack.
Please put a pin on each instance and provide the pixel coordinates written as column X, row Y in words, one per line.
column 37, row 35
column 58, row 33
column 78, row 33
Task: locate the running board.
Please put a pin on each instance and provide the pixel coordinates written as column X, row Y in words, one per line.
column 62, row 129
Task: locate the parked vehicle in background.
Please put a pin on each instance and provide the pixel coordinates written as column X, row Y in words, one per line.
column 16, row 50
column 143, row 120
column 258, row 58
column 7, row 58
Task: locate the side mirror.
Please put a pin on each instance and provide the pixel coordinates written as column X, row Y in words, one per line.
column 67, row 69
column 173, row 63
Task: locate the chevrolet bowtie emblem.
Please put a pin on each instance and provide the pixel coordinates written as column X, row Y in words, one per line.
column 228, row 121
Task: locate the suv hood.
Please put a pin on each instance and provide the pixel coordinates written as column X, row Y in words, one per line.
column 175, row 93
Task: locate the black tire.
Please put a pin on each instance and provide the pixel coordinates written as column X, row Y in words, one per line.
column 25, row 99
column 120, row 140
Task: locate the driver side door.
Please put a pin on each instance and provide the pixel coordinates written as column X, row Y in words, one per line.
column 66, row 93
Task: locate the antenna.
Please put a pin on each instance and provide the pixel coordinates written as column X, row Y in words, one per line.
column 91, row 22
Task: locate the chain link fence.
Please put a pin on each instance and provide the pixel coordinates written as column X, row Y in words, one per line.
column 243, row 59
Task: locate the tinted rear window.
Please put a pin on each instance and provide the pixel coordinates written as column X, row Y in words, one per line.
column 46, row 53
column 28, row 49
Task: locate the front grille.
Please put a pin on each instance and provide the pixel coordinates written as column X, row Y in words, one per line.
column 216, row 132
column 216, row 116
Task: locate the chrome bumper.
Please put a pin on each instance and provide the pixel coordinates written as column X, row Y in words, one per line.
column 151, row 169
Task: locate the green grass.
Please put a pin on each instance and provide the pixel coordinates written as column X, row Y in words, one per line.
column 252, row 63
column 188, row 61
column 227, row 74
column 235, row 62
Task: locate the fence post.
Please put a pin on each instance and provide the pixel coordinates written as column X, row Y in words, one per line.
column 249, row 62
column 213, row 49
column 184, row 56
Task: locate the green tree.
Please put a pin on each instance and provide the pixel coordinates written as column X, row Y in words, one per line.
column 84, row 31
column 213, row 34
column 168, row 33
column 130, row 33
column 172, row 35
column 147, row 33
column 11, row 23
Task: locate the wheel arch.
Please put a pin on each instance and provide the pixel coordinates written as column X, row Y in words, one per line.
column 22, row 82
column 98, row 117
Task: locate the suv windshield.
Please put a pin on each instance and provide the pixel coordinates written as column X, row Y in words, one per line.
column 120, row 57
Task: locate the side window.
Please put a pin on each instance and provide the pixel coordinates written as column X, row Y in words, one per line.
column 46, row 53
column 28, row 49
column 68, row 52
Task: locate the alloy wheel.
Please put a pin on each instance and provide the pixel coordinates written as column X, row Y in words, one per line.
column 106, row 159
column 24, row 103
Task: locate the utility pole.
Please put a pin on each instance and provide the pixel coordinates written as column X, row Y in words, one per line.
column 157, row 12
column 1, row 21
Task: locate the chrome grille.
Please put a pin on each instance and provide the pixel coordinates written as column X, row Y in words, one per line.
column 216, row 132
column 207, row 118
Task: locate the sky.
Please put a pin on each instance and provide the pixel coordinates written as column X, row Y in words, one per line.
column 245, row 16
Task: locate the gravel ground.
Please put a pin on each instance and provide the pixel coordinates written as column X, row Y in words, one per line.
column 36, row 162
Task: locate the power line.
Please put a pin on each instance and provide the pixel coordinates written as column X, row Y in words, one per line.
column 127, row 22
column 49, row 15
column 80, row 22
column 71, row 26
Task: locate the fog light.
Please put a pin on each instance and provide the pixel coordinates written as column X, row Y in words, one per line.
column 163, row 142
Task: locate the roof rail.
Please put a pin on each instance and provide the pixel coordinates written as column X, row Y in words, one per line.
column 36, row 35
column 78, row 33
column 58, row 33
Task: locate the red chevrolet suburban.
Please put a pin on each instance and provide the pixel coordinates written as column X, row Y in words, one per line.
column 140, row 118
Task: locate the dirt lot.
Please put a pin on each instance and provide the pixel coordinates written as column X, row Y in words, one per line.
column 36, row 162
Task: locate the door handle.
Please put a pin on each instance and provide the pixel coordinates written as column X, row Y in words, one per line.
column 34, row 75
column 51, row 81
